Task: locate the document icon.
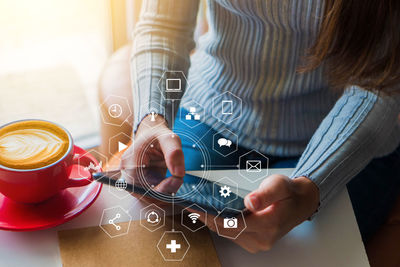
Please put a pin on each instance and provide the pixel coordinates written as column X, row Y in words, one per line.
column 253, row 165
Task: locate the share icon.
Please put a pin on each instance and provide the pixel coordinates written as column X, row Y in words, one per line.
column 112, row 221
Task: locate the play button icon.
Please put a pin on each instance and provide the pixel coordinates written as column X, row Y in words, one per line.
column 121, row 146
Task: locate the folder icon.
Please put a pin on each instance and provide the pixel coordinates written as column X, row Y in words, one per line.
column 253, row 165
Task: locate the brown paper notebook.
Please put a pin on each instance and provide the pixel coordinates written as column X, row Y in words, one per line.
column 92, row 247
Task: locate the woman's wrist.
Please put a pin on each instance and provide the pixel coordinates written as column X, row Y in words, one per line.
column 308, row 194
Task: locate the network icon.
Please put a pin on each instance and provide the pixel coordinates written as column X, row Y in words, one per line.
column 192, row 115
column 112, row 221
column 152, row 217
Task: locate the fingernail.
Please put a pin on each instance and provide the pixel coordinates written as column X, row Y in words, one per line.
column 179, row 171
column 254, row 202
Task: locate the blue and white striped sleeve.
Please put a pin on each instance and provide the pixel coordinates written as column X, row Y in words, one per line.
column 163, row 40
column 362, row 125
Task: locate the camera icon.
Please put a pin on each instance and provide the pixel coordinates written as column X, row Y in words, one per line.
column 230, row 223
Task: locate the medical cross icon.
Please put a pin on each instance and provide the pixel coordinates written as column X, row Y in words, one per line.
column 173, row 246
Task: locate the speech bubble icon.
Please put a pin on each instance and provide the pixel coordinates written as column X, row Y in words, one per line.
column 229, row 143
column 224, row 142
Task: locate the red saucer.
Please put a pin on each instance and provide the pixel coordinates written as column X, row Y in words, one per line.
column 61, row 208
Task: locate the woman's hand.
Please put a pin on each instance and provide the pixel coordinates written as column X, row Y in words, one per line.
column 165, row 152
column 277, row 206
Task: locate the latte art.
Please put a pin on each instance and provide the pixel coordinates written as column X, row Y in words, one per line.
column 32, row 146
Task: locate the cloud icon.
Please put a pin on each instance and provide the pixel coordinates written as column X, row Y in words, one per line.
column 224, row 142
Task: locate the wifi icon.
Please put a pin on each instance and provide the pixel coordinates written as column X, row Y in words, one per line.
column 194, row 216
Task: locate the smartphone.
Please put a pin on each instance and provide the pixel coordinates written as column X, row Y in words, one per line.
column 213, row 197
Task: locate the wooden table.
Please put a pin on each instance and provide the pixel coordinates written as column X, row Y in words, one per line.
column 331, row 239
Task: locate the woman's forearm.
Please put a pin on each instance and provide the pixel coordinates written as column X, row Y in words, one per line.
column 163, row 39
column 361, row 126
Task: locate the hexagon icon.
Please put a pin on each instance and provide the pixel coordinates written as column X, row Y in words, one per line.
column 173, row 246
column 227, row 107
column 115, row 221
column 152, row 217
column 119, row 142
column 172, row 85
column 225, row 190
column 89, row 166
column 253, row 166
column 153, row 109
column 192, row 117
column 225, row 142
column 230, row 226
column 118, row 183
column 113, row 109
column 192, row 220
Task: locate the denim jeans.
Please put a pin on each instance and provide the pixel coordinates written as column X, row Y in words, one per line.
column 373, row 191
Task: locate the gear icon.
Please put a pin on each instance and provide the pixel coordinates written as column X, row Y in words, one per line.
column 225, row 191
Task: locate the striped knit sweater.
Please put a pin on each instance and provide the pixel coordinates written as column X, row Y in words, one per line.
column 251, row 51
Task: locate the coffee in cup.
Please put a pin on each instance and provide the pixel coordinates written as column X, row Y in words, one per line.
column 38, row 160
column 32, row 144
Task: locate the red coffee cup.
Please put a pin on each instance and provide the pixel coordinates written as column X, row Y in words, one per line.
column 37, row 185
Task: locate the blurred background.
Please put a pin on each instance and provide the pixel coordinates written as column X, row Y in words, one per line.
column 53, row 54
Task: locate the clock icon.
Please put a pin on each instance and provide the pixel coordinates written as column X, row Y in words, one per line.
column 115, row 111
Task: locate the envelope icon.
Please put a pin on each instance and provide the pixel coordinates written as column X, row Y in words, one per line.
column 253, row 165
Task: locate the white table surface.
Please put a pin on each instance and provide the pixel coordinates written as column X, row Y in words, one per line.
column 331, row 239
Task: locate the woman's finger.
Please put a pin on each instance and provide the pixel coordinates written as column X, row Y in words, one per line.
column 169, row 185
column 173, row 154
column 274, row 188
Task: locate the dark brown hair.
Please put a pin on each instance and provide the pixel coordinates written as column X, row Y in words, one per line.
column 359, row 40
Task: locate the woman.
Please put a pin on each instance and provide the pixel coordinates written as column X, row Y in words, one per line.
column 335, row 120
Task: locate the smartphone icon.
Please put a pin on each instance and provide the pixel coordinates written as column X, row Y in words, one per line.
column 227, row 107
